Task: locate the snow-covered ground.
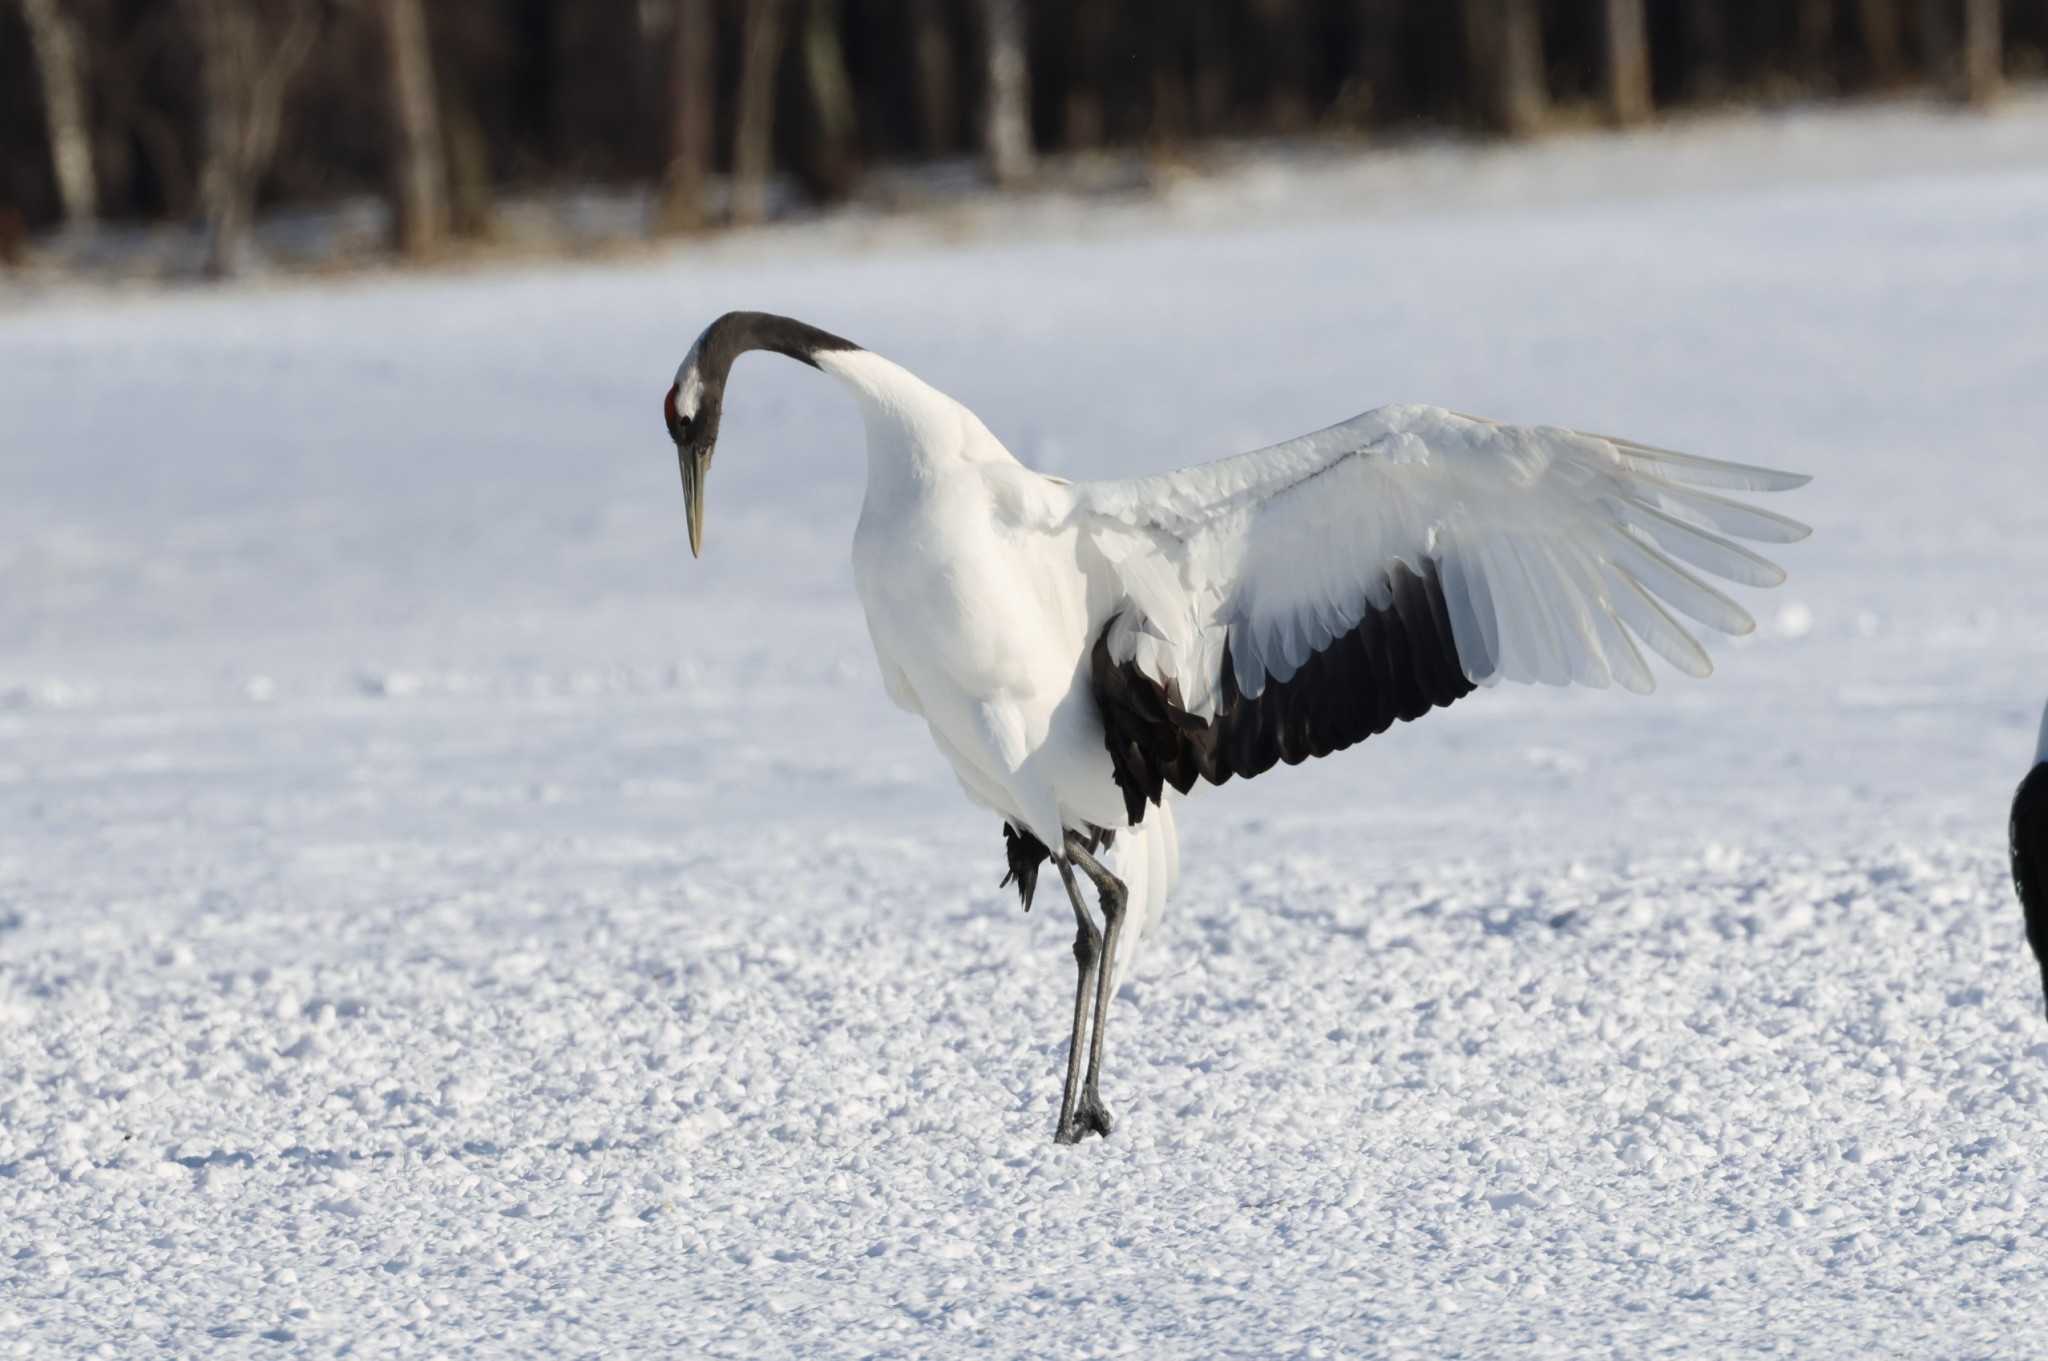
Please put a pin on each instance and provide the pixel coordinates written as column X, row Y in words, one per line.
column 438, row 917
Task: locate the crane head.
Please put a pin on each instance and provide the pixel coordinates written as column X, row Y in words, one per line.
column 697, row 396
column 693, row 425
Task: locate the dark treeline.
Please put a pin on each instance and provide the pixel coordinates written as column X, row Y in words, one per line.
column 208, row 110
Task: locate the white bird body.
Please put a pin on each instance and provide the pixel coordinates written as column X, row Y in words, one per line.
column 982, row 611
column 1080, row 652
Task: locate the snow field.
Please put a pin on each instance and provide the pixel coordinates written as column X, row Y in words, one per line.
column 437, row 917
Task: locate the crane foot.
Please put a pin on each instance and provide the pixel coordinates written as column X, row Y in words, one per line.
column 1090, row 1117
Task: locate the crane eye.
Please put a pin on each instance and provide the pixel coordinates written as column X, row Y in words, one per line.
column 678, row 425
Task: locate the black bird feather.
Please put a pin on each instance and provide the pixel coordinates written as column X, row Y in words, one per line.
column 2029, row 834
column 1026, row 853
column 1398, row 662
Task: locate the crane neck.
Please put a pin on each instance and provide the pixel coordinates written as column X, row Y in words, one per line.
column 2041, row 743
column 710, row 360
column 914, row 431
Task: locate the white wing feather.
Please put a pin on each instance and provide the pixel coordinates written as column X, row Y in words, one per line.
column 1557, row 551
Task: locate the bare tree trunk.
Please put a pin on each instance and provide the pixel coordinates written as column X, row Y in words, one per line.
column 466, row 151
column 931, row 50
column 1883, row 40
column 60, row 63
column 1525, row 90
column 419, row 171
column 223, row 193
column 1211, row 44
column 1816, row 24
column 1706, row 51
column 1167, row 100
column 1628, row 62
column 691, row 102
column 245, row 74
column 1504, row 41
column 1934, row 40
column 1083, row 124
column 13, row 238
column 753, row 138
column 1376, row 68
column 830, row 161
column 1983, row 73
column 1285, row 35
column 1006, row 100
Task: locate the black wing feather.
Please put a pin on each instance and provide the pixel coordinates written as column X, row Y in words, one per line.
column 1399, row 661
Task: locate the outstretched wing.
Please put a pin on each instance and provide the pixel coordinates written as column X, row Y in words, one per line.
column 1289, row 602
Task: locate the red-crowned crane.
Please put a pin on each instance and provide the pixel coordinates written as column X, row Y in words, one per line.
column 1081, row 651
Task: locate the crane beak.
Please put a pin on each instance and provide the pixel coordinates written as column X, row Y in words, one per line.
column 695, row 465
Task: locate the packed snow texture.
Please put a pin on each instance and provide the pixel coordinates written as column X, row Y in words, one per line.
column 437, row 916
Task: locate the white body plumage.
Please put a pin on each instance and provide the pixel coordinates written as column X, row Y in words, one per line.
column 982, row 610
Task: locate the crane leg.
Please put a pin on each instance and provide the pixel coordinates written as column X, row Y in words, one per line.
column 1113, row 895
column 1087, row 961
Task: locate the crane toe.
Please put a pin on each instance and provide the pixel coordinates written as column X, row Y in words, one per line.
column 1089, row 1118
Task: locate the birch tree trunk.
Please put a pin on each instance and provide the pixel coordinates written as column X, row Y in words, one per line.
column 1983, row 56
column 1504, row 43
column 691, row 93
column 219, row 172
column 419, row 171
column 1006, row 97
column 245, row 74
column 60, row 63
column 753, row 139
column 1628, row 62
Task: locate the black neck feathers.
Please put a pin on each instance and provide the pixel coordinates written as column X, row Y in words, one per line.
column 733, row 334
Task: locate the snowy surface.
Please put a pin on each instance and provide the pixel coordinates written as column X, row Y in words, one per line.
column 436, row 916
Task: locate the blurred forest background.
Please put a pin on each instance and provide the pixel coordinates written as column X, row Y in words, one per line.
column 715, row 112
